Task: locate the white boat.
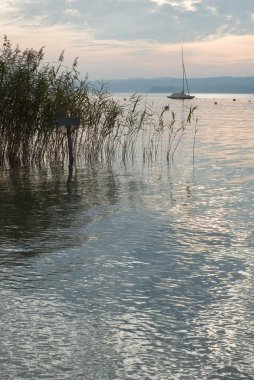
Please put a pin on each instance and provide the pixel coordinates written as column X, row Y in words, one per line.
column 182, row 95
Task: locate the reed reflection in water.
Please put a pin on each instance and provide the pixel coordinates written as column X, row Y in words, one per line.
column 131, row 273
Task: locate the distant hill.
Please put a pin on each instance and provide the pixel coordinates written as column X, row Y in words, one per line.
column 237, row 85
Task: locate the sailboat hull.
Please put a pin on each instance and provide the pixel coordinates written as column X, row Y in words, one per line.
column 180, row 95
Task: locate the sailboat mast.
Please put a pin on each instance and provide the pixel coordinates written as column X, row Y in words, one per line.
column 181, row 95
column 184, row 75
column 183, row 69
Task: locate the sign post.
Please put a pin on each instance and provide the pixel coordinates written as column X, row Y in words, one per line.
column 69, row 122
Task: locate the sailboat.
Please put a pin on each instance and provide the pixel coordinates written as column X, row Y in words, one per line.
column 182, row 95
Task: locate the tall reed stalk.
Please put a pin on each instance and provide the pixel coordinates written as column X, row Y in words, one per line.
column 34, row 95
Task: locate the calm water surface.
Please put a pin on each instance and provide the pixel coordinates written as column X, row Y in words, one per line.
column 139, row 272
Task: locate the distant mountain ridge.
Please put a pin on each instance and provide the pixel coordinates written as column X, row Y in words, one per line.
column 223, row 84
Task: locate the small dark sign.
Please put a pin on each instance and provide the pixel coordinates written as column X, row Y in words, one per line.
column 68, row 122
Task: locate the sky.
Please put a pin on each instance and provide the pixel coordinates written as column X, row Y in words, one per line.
column 137, row 38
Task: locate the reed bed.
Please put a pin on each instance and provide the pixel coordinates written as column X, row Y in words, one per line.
column 34, row 95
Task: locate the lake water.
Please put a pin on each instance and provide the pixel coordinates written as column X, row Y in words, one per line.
column 140, row 272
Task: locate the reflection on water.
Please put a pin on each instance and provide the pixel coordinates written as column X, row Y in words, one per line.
column 133, row 273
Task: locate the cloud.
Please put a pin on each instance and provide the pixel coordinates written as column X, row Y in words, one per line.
column 184, row 5
column 135, row 37
column 161, row 21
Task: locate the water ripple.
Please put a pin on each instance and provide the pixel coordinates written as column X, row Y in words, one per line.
column 140, row 273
